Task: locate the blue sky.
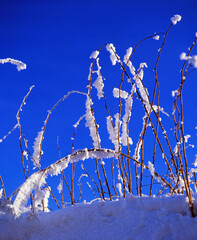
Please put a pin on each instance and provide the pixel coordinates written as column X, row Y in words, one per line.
column 55, row 40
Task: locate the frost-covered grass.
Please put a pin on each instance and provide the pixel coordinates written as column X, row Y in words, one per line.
column 165, row 165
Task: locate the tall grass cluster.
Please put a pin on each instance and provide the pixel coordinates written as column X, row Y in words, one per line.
column 136, row 170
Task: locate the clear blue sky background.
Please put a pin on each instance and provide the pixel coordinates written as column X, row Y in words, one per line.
column 55, row 40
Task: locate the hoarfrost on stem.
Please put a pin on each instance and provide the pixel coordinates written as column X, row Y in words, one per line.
column 143, row 91
column 113, row 131
column 113, row 56
column 156, row 37
column 91, row 124
column 20, row 65
column 128, row 106
column 37, row 149
column 94, row 54
column 183, row 56
column 137, row 150
column 195, row 161
column 128, row 54
column 98, row 84
column 194, row 61
column 117, row 92
column 37, row 180
column 176, row 18
column 152, row 171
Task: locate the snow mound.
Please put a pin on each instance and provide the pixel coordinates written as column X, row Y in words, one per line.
column 166, row 217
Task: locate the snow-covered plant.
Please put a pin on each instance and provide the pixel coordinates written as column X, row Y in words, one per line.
column 133, row 166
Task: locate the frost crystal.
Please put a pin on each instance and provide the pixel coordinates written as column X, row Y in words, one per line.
column 183, row 56
column 137, row 150
column 90, row 122
column 1, row 193
column 128, row 106
column 60, row 187
column 37, row 149
column 77, row 123
column 156, row 37
column 186, row 137
column 143, row 91
column 123, row 94
column 174, row 92
column 119, row 186
column 128, row 54
column 176, row 18
column 114, row 58
column 195, row 161
column 113, row 131
column 98, row 84
column 20, row 65
column 194, row 61
column 94, row 54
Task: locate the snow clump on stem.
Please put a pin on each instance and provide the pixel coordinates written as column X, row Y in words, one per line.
column 20, row 65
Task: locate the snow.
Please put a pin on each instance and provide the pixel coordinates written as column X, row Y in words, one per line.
column 136, row 218
column 113, row 131
column 98, row 84
column 37, row 180
column 20, row 65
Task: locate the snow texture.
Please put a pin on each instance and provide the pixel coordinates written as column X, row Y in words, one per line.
column 176, row 18
column 139, row 218
column 20, row 65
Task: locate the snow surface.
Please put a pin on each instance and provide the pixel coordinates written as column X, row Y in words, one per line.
column 158, row 218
